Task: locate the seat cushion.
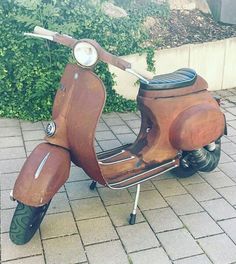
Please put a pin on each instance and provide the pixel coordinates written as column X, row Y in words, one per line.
column 177, row 79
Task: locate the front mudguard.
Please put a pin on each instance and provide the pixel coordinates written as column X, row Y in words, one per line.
column 44, row 172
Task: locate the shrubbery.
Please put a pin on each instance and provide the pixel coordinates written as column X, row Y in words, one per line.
column 30, row 69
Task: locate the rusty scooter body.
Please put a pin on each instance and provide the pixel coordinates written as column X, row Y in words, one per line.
column 180, row 131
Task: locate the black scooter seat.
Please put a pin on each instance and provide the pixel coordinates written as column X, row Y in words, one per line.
column 177, row 79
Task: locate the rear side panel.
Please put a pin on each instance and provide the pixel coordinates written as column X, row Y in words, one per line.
column 44, row 172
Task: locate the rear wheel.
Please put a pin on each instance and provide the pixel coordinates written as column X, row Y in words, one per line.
column 25, row 222
column 206, row 161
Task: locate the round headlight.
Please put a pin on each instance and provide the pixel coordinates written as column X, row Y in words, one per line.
column 85, row 54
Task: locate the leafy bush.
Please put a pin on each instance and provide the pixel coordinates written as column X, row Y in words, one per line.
column 30, row 69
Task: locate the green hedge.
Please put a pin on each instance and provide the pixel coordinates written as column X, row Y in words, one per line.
column 30, row 69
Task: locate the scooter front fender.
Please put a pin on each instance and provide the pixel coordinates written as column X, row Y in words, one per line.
column 44, row 172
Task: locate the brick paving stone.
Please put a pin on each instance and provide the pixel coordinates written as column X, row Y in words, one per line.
column 6, row 202
column 184, row 204
column 150, row 200
column 6, row 122
column 79, row 190
column 88, row 208
column 6, row 216
column 229, row 116
column 201, row 225
column 25, row 125
column 107, row 253
column 111, row 197
column 224, row 158
column 150, row 256
column 179, row 244
column 219, row 248
column 202, row 192
column 29, row 260
column 10, row 131
column 134, row 123
column 33, row 135
column 145, row 186
column 77, row 174
column 8, row 180
column 224, row 139
column 120, row 214
column 101, row 127
column 232, row 110
column 60, row 224
column 109, row 144
column 229, row 169
column 12, row 153
column 169, row 187
column 229, row 193
column 200, row 259
column 196, row 178
column 218, row 179
column 96, row 230
column 137, row 237
column 11, row 165
column 104, row 135
column 229, row 148
column 163, row 219
column 219, row 209
column 114, row 121
column 126, row 138
column 10, row 251
column 231, row 131
column 120, row 129
column 64, row 250
column 31, row 145
column 229, row 226
column 129, row 116
column 8, row 142
column 59, row 204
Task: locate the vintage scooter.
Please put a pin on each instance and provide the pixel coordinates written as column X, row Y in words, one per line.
column 180, row 131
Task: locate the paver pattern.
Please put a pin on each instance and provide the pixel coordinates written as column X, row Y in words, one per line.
column 179, row 221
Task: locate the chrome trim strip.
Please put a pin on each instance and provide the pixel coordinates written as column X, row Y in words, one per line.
column 143, row 180
column 118, row 161
column 137, row 75
column 40, row 167
column 112, row 156
column 137, row 175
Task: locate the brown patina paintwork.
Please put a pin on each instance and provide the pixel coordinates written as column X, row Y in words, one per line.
column 172, row 120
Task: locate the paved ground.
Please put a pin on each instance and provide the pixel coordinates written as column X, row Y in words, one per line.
column 180, row 221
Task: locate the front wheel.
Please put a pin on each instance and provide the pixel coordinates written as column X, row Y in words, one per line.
column 25, row 222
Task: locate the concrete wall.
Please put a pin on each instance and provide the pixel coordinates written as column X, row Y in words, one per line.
column 214, row 61
column 189, row 5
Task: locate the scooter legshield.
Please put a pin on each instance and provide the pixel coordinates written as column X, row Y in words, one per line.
column 44, row 172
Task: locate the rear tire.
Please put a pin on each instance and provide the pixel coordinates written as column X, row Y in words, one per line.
column 214, row 157
column 25, row 222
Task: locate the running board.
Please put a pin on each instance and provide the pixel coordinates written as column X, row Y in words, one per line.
column 144, row 176
column 108, row 153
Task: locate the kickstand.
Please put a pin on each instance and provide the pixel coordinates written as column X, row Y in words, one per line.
column 132, row 219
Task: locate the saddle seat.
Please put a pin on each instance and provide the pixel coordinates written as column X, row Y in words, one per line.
column 177, row 79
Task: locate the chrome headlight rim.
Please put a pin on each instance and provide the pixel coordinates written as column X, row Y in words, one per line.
column 93, row 49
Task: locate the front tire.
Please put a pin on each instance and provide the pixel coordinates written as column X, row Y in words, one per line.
column 25, row 222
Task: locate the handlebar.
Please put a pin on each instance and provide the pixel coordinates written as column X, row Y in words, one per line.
column 70, row 42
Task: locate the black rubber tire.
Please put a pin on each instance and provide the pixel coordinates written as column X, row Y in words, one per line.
column 182, row 172
column 25, row 222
